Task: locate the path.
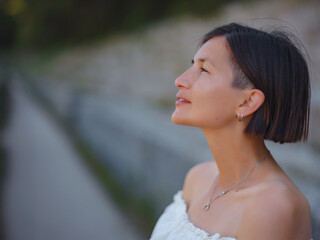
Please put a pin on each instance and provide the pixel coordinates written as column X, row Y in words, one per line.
column 49, row 193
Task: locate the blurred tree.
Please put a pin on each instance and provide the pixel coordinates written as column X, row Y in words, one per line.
column 43, row 23
column 7, row 28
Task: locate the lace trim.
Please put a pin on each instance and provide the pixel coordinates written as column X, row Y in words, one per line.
column 182, row 220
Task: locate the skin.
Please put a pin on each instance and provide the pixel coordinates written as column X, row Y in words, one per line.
column 267, row 205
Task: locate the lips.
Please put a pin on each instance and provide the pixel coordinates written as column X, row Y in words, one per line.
column 179, row 97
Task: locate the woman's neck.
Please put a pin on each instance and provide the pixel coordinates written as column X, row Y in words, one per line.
column 235, row 154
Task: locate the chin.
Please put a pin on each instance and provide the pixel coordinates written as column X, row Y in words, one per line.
column 179, row 120
column 175, row 119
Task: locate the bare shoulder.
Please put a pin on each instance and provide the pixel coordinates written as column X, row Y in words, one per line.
column 195, row 176
column 276, row 211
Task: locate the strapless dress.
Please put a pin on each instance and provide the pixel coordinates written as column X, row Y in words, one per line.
column 174, row 224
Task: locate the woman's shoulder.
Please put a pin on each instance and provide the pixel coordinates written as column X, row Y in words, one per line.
column 277, row 208
column 196, row 176
column 277, row 192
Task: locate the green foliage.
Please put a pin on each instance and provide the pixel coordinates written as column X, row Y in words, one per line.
column 7, row 30
column 41, row 23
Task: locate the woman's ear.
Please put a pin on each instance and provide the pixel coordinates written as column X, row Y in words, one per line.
column 254, row 99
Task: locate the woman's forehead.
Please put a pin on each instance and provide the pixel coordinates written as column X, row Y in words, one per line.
column 214, row 50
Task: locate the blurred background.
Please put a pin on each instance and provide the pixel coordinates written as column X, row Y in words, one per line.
column 88, row 150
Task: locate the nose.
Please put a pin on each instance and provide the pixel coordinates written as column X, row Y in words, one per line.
column 183, row 81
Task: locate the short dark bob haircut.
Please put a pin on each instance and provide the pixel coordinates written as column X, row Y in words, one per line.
column 272, row 63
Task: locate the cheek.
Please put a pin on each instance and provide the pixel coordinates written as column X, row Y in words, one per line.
column 215, row 95
column 215, row 103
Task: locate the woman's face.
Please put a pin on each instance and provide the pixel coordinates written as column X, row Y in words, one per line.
column 207, row 84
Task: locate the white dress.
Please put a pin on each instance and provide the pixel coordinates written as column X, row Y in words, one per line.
column 174, row 224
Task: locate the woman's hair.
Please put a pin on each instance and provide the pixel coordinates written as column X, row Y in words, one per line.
column 270, row 62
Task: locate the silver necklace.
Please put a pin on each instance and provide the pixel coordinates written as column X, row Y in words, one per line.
column 207, row 205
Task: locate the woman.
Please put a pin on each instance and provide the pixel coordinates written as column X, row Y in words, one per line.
column 244, row 86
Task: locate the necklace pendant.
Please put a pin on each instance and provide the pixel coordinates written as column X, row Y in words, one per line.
column 206, row 206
